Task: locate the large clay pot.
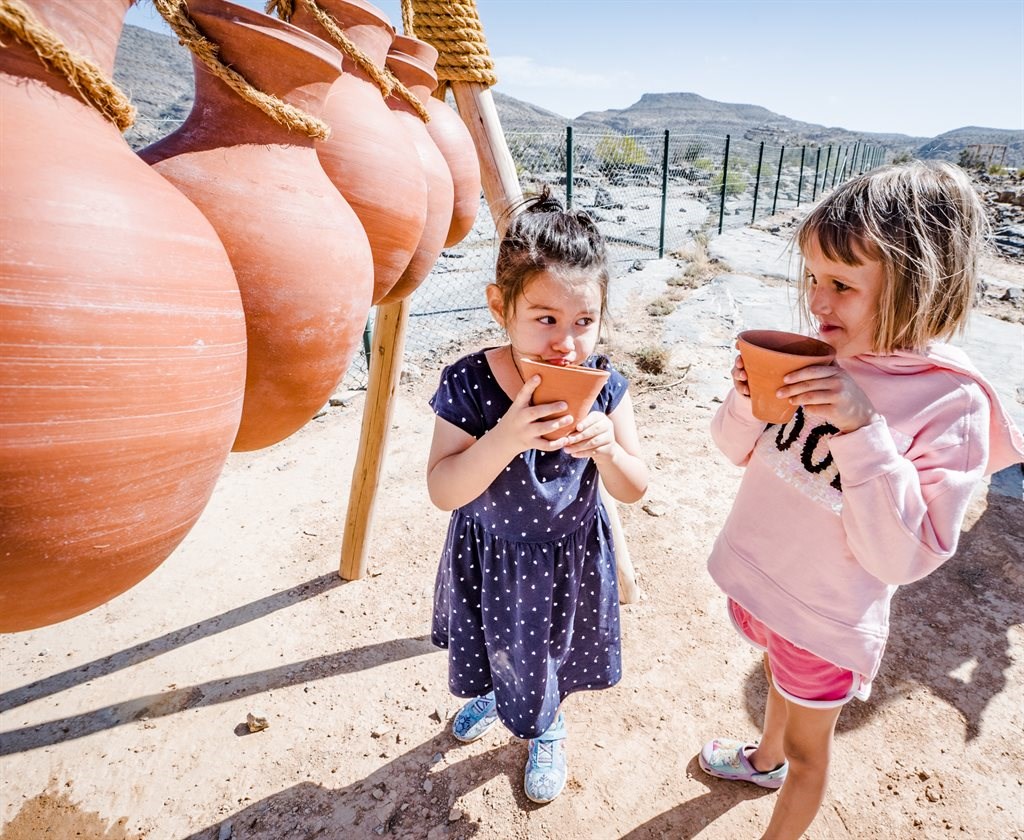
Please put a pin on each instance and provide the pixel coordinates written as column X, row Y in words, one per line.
column 301, row 257
column 420, row 79
column 122, row 342
column 449, row 132
column 370, row 156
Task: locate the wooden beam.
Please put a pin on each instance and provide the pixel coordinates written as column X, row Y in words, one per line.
column 387, row 349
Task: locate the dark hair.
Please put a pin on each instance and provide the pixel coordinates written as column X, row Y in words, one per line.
column 544, row 236
column 926, row 224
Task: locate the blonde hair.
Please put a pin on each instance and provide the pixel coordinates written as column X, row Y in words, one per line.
column 926, row 225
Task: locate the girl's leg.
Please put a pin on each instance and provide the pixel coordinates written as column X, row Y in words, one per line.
column 771, row 753
column 807, row 743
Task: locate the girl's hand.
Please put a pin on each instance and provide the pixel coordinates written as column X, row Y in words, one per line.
column 593, row 437
column 832, row 393
column 523, row 426
column 739, row 377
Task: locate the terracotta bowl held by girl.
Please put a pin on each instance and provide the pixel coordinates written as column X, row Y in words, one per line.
column 578, row 386
column 768, row 355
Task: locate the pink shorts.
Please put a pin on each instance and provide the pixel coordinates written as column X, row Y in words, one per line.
column 798, row 674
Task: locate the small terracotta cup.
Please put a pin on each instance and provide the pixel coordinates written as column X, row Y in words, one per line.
column 768, row 355
column 578, row 386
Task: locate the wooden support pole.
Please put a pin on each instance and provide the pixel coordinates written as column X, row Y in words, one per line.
column 388, row 347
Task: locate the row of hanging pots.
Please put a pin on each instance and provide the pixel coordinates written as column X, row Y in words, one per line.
column 148, row 331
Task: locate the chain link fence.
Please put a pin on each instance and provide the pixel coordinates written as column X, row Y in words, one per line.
column 650, row 193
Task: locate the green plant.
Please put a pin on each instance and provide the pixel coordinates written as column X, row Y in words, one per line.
column 997, row 169
column 619, row 152
column 903, row 157
column 735, row 184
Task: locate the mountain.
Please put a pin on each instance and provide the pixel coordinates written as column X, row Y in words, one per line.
column 156, row 73
column 691, row 113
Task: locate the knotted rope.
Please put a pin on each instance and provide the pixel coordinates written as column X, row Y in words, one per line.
column 85, row 77
column 382, row 77
column 453, row 28
column 189, row 35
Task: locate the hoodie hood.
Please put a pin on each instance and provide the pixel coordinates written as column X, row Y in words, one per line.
column 1006, row 444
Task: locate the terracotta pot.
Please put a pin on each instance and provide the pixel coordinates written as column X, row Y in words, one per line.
column 421, row 80
column 370, row 156
column 576, row 385
column 122, row 356
column 301, row 256
column 449, row 132
column 768, row 355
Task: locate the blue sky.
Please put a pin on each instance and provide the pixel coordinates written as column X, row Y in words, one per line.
column 918, row 67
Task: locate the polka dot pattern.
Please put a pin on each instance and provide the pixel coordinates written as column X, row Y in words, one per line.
column 526, row 599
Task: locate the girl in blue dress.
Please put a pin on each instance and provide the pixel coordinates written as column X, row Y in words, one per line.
column 526, row 599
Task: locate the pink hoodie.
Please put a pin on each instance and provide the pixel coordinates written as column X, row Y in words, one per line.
column 825, row 526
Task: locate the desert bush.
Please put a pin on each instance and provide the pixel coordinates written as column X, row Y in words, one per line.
column 736, row 183
column 652, row 359
column 614, row 153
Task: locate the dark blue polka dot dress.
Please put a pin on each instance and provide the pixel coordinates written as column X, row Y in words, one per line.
column 526, row 599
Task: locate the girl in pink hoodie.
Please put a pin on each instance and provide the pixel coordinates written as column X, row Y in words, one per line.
column 867, row 486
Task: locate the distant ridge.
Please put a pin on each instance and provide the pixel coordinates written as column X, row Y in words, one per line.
column 156, row 72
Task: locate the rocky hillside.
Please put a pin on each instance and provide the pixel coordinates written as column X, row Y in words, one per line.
column 156, row 72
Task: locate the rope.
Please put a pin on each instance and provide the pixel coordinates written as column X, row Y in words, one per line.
column 86, row 78
column 189, row 35
column 382, row 77
column 453, row 28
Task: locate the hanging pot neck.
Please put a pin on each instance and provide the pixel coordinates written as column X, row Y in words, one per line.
column 275, row 57
column 363, row 24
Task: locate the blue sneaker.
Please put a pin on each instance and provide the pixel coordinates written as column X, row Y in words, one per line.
column 475, row 718
column 546, row 765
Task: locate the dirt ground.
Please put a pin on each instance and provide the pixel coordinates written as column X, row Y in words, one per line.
column 130, row 722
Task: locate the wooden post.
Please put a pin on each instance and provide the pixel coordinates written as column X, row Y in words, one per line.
column 388, row 345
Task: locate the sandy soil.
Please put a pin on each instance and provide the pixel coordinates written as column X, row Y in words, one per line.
column 130, row 721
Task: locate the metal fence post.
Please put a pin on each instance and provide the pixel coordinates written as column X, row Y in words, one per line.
column 664, row 196
column 835, row 169
column 778, row 177
column 568, row 167
column 725, row 178
column 824, row 175
column 817, row 162
column 757, row 181
column 800, row 183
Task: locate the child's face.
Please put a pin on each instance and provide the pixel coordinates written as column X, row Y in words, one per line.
column 557, row 319
column 844, row 299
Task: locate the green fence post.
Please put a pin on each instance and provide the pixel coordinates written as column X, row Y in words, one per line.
column 778, row 177
column 725, row 178
column 568, row 167
column 367, row 333
column 757, row 181
column 835, row 169
column 800, row 182
column 664, row 196
column 817, row 162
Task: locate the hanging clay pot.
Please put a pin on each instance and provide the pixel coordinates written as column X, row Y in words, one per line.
column 122, row 341
column 300, row 254
column 370, row 156
column 575, row 385
column 449, row 132
column 420, row 80
column 768, row 355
